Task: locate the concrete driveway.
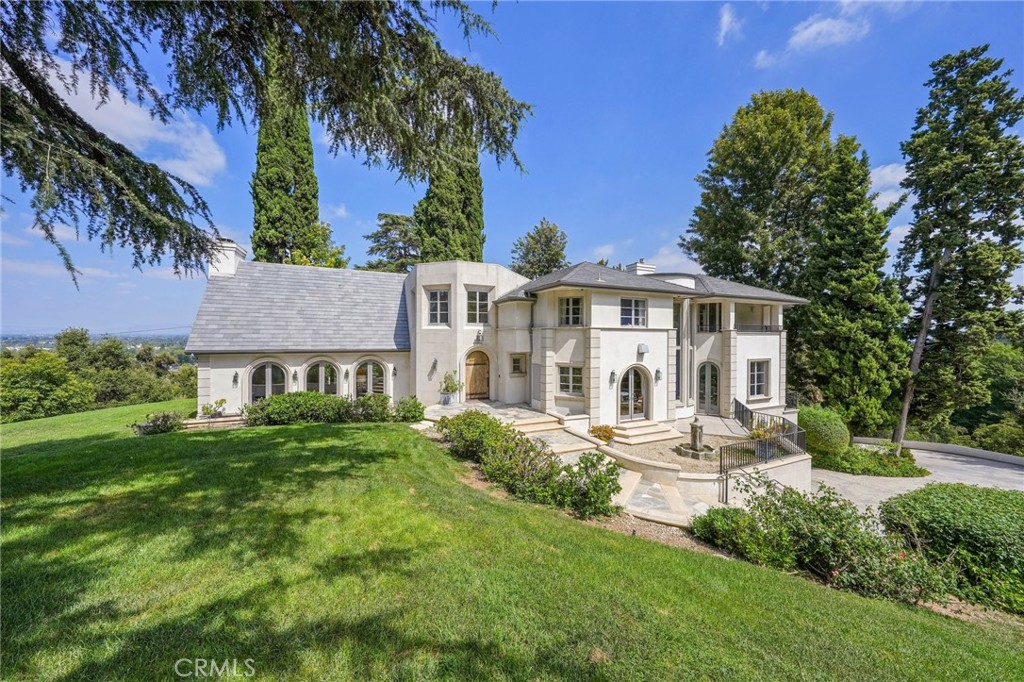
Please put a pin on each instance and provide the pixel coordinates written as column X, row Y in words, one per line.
column 867, row 491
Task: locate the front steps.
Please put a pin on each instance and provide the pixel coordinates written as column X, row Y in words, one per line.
column 539, row 424
column 228, row 422
column 643, row 431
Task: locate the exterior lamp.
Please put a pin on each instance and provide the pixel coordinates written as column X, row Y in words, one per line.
column 295, row 375
column 611, row 379
column 394, row 371
column 346, row 375
column 234, row 381
column 657, row 375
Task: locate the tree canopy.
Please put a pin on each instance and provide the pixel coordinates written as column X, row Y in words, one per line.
column 540, row 251
column 397, row 243
column 965, row 170
column 450, row 218
column 373, row 74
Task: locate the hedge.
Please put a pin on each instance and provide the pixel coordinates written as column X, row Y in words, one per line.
column 826, row 431
column 980, row 529
column 313, row 407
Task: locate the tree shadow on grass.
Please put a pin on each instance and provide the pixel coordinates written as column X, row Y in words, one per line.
column 241, row 493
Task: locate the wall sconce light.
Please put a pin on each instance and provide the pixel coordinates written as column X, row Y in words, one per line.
column 657, row 375
column 611, row 379
column 433, row 365
column 642, row 349
column 234, row 381
column 394, row 371
column 346, row 375
column 295, row 375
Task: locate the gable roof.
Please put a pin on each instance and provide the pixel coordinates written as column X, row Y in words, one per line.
column 269, row 307
column 593, row 276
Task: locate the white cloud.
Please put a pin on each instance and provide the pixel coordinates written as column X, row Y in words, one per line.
column 817, row 32
column 182, row 146
column 51, row 269
column 338, row 211
column 765, row 60
column 670, row 258
column 728, row 24
column 897, row 234
column 12, row 240
column 604, row 251
column 885, row 180
column 61, row 231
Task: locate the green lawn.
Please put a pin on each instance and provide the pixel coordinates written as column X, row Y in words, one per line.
column 354, row 552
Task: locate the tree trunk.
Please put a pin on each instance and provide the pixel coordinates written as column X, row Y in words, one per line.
column 919, row 343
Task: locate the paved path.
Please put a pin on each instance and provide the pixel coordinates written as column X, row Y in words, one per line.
column 871, row 490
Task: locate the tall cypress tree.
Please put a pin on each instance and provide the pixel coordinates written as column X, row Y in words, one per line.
column 856, row 355
column 285, row 192
column 450, row 218
column 965, row 169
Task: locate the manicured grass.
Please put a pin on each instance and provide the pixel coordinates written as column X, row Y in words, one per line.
column 353, row 552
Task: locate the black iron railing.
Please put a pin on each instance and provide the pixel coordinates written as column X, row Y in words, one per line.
column 792, row 400
column 759, row 327
column 783, row 438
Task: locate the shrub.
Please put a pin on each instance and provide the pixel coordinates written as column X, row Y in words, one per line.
column 872, row 460
column 374, row 407
column 41, row 385
column 589, row 486
column 524, row 467
column 159, row 422
column 982, row 529
column 472, row 433
column 826, row 432
column 1006, row 436
column 409, row 409
column 826, row 535
column 293, row 408
column 450, row 383
column 602, row 432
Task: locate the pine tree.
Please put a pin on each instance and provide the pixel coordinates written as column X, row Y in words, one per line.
column 285, row 191
column 396, row 240
column 450, row 218
column 856, row 356
column 965, row 169
column 540, row 251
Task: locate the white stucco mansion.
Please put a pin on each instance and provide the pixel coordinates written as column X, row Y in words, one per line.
column 601, row 345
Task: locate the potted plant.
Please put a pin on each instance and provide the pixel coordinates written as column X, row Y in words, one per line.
column 208, row 411
column 763, row 434
column 450, row 386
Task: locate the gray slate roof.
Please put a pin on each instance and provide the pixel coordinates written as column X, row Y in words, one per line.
column 268, row 307
column 598, row 276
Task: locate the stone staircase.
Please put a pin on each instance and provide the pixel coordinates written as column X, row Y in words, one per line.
column 539, row 424
column 548, row 429
column 643, row 431
column 228, row 422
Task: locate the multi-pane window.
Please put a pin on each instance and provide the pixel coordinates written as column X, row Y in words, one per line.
column 570, row 312
column 709, row 317
column 570, row 380
column 518, row 364
column 267, row 379
column 322, row 377
column 437, row 306
column 634, row 312
column 758, row 378
column 476, row 307
column 369, row 378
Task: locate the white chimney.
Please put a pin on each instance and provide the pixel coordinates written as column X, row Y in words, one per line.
column 640, row 268
column 226, row 257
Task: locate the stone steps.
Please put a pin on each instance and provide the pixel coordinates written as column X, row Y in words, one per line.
column 538, row 427
column 646, row 431
column 628, row 480
column 232, row 422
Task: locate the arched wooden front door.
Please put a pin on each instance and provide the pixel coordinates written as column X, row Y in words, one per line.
column 478, row 376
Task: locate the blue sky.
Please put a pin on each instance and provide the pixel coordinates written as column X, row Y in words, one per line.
column 628, row 97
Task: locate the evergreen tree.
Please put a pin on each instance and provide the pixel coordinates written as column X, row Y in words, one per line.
column 856, row 356
column 965, row 169
column 761, row 192
column 385, row 88
column 285, row 192
column 540, row 251
column 450, row 218
column 396, row 240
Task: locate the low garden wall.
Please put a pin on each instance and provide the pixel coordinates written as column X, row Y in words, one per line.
column 948, row 449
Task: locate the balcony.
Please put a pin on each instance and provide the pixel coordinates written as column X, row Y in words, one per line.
column 762, row 328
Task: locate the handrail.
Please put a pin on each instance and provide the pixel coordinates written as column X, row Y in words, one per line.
column 790, row 439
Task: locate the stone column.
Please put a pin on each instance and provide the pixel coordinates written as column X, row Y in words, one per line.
column 594, row 386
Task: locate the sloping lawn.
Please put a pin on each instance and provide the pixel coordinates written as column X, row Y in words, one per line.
column 353, row 552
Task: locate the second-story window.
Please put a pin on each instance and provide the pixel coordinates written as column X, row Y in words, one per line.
column 709, row 317
column 437, row 306
column 633, row 312
column 476, row 307
column 570, row 312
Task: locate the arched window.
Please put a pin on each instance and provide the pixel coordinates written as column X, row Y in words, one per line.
column 369, row 378
column 322, row 377
column 267, row 379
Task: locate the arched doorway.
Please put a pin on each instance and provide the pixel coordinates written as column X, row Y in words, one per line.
column 478, row 376
column 707, row 388
column 633, row 395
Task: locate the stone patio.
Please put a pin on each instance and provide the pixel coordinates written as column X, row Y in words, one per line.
column 506, row 412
